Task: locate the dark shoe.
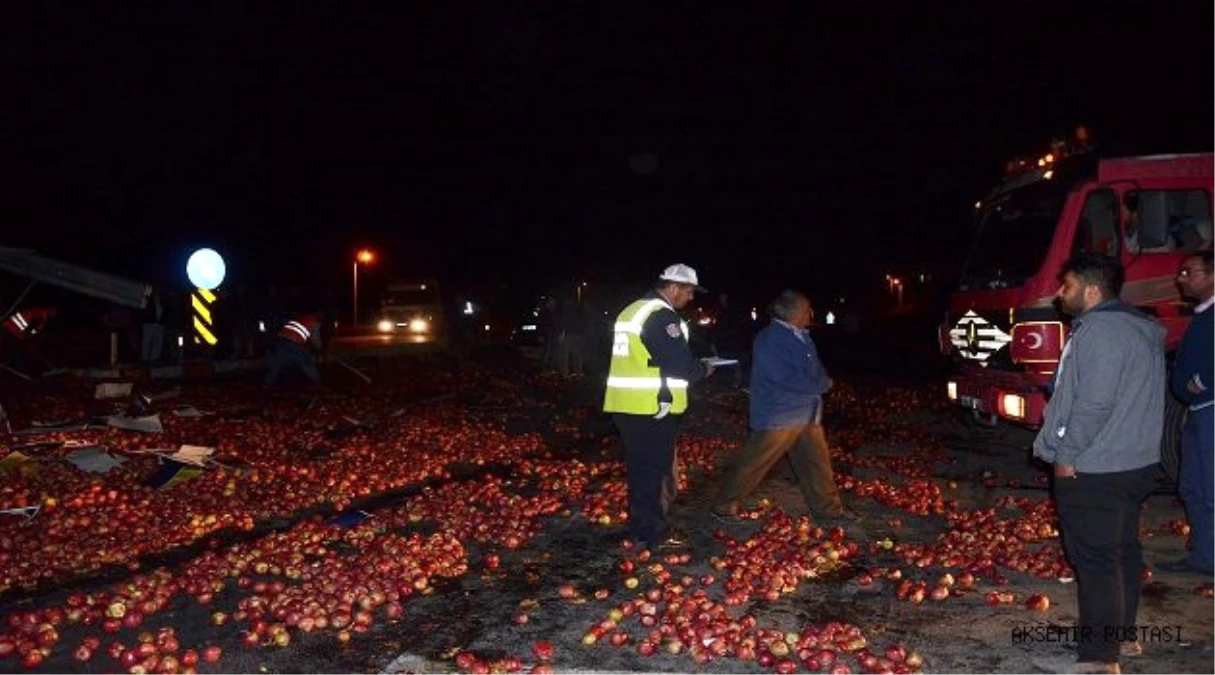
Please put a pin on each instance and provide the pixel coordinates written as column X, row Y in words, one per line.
column 1068, row 664
column 848, row 514
column 673, row 540
column 726, row 514
column 1182, row 566
column 844, row 516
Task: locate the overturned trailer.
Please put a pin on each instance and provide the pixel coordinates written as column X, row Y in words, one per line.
column 41, row 269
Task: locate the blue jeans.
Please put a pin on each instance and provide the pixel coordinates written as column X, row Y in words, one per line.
column 1196, row 485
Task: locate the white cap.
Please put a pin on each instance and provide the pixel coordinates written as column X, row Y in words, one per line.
column 682, row 274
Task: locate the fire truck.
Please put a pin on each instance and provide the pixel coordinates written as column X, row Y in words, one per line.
column 1003, row 329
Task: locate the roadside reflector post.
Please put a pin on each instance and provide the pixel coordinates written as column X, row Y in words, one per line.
column 202, row 301
column 206, row 270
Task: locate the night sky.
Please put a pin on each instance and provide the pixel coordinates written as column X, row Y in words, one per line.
column 815, row 144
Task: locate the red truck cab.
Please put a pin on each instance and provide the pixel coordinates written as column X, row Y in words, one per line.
column 1002, row 327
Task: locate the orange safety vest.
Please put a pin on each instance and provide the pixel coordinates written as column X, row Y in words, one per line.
column 298, row 330
column 19, row 323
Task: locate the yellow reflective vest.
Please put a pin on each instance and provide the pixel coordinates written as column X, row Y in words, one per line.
column 633, row 385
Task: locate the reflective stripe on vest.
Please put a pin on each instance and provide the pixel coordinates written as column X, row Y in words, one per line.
column 295, row 331
column 633, row 385
column 17, row 325
column 654, row 383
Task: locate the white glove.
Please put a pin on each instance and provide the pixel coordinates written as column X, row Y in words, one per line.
column 663, row 409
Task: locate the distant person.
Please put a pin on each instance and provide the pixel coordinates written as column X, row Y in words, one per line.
column 598, row 341
column 152, row 318
column 293, row 347
column 787, row 388
column 571, row 350
column 549, row 327
column 21, row 329
column 1101, row 432
column 1193, row 382
column 731, row 337
column 647, row 394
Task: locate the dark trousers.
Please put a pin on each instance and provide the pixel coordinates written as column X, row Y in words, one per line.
column 1099, row 517
column 649, row 454
column 1197, row 485
column 14, row 352
column 739, row 374
column 286, row 353
column 806, row 448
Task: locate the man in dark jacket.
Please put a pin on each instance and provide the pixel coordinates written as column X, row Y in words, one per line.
column 647, row 393
column 787, row 386
column 1193, row 382
column 550, row 333
column 731, row 336
column 1102, row 432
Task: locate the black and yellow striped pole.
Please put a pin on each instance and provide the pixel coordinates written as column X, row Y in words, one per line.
column 204, row 324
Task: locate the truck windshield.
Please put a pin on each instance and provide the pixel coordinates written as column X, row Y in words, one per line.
column 408, row 298
column 1013, row 234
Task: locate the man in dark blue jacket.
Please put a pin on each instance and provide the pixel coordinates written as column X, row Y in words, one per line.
column 787, row 386
column 1193, row 382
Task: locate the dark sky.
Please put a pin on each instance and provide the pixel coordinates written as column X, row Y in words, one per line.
column 800, row 142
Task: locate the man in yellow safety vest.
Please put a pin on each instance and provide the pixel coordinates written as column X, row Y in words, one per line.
column 647, row 392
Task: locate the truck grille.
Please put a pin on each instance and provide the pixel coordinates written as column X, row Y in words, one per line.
column 977, row 339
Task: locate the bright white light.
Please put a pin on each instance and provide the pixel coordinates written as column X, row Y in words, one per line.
column 385, row 326
column 830, row 318
column 181, row 341
column 1014, row 405
column 419, row 325
column 261, row 326
column 487, row 327
column 528, row 326
column 754, row 314
column 206, row 269
column 468, row 308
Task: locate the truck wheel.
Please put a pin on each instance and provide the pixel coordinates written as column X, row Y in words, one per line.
column 1170, row 442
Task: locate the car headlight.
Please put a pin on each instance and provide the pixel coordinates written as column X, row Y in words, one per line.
column 385, row 326
column 419, row 325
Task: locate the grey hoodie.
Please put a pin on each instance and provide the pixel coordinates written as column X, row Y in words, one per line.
column 1107, row 411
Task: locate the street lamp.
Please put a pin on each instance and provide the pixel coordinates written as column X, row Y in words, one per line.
column 363, row 256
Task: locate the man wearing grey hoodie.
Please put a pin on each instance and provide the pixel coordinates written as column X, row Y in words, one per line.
column 1102, row 433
